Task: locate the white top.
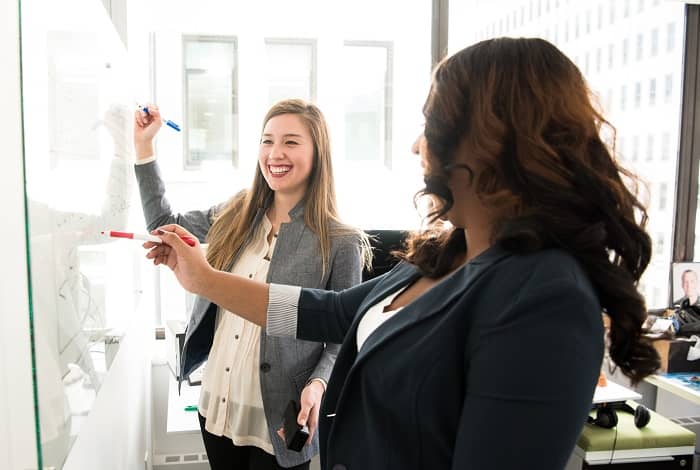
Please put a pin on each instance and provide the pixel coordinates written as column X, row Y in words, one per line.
column 231, row 400
column 374, row 318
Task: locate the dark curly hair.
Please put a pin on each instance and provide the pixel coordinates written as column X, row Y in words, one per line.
column 524, row 111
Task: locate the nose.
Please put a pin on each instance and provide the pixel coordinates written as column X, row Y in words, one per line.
column 276, row 152
column 415, row 148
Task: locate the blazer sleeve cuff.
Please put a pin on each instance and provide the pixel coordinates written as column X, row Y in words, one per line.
column 282, row 310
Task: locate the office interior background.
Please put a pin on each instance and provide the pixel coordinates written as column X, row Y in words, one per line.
column 215, row 68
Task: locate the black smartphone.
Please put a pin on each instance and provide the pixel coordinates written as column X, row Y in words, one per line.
column 295, row 436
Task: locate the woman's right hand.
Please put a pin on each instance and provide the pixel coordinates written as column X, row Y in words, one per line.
column 187, row 262
column 146, row 126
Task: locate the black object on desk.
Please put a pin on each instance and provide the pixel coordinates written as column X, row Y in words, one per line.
column 295, row 435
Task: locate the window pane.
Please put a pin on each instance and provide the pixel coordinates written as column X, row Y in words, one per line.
column 291, row 69
column 210, row 100
column 367, row 102
column 647, row 122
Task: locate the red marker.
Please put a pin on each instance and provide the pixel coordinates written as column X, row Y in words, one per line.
column 149, row 238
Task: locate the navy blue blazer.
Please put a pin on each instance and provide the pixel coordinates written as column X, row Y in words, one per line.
column 493, row 368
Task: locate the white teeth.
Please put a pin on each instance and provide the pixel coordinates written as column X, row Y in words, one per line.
column 279, row 170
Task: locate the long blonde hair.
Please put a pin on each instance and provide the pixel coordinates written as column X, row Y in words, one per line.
column 228, row 232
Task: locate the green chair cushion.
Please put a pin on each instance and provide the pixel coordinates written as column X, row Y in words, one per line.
column 660, row 432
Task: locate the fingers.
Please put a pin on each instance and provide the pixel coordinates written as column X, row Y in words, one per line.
column 144, row 119
column 303, row 416
column 312, row 424
column 174, row 228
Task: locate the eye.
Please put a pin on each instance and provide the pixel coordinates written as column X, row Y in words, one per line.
column 266, row 142
column 292, row 142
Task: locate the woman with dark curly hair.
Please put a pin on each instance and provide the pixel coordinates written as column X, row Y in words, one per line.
column 482, row 348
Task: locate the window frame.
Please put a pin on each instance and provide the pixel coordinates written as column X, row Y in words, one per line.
column 186, row 38
column 296, row 41
column 388, row 92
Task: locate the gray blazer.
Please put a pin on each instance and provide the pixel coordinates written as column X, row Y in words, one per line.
column 286, row 364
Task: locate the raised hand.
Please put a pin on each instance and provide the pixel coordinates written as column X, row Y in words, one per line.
column 146, row 126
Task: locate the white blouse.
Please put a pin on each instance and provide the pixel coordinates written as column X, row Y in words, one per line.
column 375, row 317
column 231, row 400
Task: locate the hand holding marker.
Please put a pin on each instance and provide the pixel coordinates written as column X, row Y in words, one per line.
column 167, row 122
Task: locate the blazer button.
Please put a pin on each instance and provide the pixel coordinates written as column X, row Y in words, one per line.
column 265, row 367
column 339, row 466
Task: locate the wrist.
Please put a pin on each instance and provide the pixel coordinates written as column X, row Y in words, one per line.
column 206, row 282
column 144, row 150
column 319, row 382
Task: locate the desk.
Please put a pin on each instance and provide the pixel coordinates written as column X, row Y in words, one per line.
column 673, row 383
column 179, row 420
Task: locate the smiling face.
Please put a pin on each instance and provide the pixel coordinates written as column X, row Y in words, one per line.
column 286, row 155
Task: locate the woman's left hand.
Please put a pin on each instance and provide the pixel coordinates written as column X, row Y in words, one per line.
column 310, row 404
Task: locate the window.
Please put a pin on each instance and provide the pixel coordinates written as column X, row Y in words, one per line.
column 588, row 21
column 637, row 94
column 600, row 16
column 598, row 59
column 640, row 46
column 668, row 88
column 665, row 146
column 611, row 56
column 621, row 141
column 612, row 12
column 659, row 248
column 623, row 97
column 670, row 36
column 210, row 97
column 625, row 47
column 663, row 195
column 626, row 9
column 654, row 42
column 635, row 148
column 291, row 69
column 368, row 101
column 652, row 92
column 650, row 147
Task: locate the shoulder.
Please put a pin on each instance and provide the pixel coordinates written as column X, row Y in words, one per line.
column 548, row 265
column 345, row 236
column 549, row 273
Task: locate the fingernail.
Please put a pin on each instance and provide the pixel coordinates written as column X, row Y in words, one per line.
column 160, row 232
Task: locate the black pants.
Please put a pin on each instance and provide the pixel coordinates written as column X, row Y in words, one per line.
column 223, row 454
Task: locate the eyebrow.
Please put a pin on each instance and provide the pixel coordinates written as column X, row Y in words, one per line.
column 285, row 135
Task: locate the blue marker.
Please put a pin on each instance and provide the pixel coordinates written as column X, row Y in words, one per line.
column 167, row 122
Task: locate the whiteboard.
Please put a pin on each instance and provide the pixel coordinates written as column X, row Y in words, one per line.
column 77, row 118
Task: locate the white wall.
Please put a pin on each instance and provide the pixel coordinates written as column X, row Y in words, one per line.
column 17, row 434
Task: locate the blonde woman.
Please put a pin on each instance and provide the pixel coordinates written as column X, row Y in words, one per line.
column 284, row 229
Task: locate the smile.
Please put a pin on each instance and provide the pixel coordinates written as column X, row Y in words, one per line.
column 279, row 170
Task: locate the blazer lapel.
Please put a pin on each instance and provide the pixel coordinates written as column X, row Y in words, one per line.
column 430, row 303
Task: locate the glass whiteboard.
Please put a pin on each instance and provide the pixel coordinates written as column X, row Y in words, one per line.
column 77, row 119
